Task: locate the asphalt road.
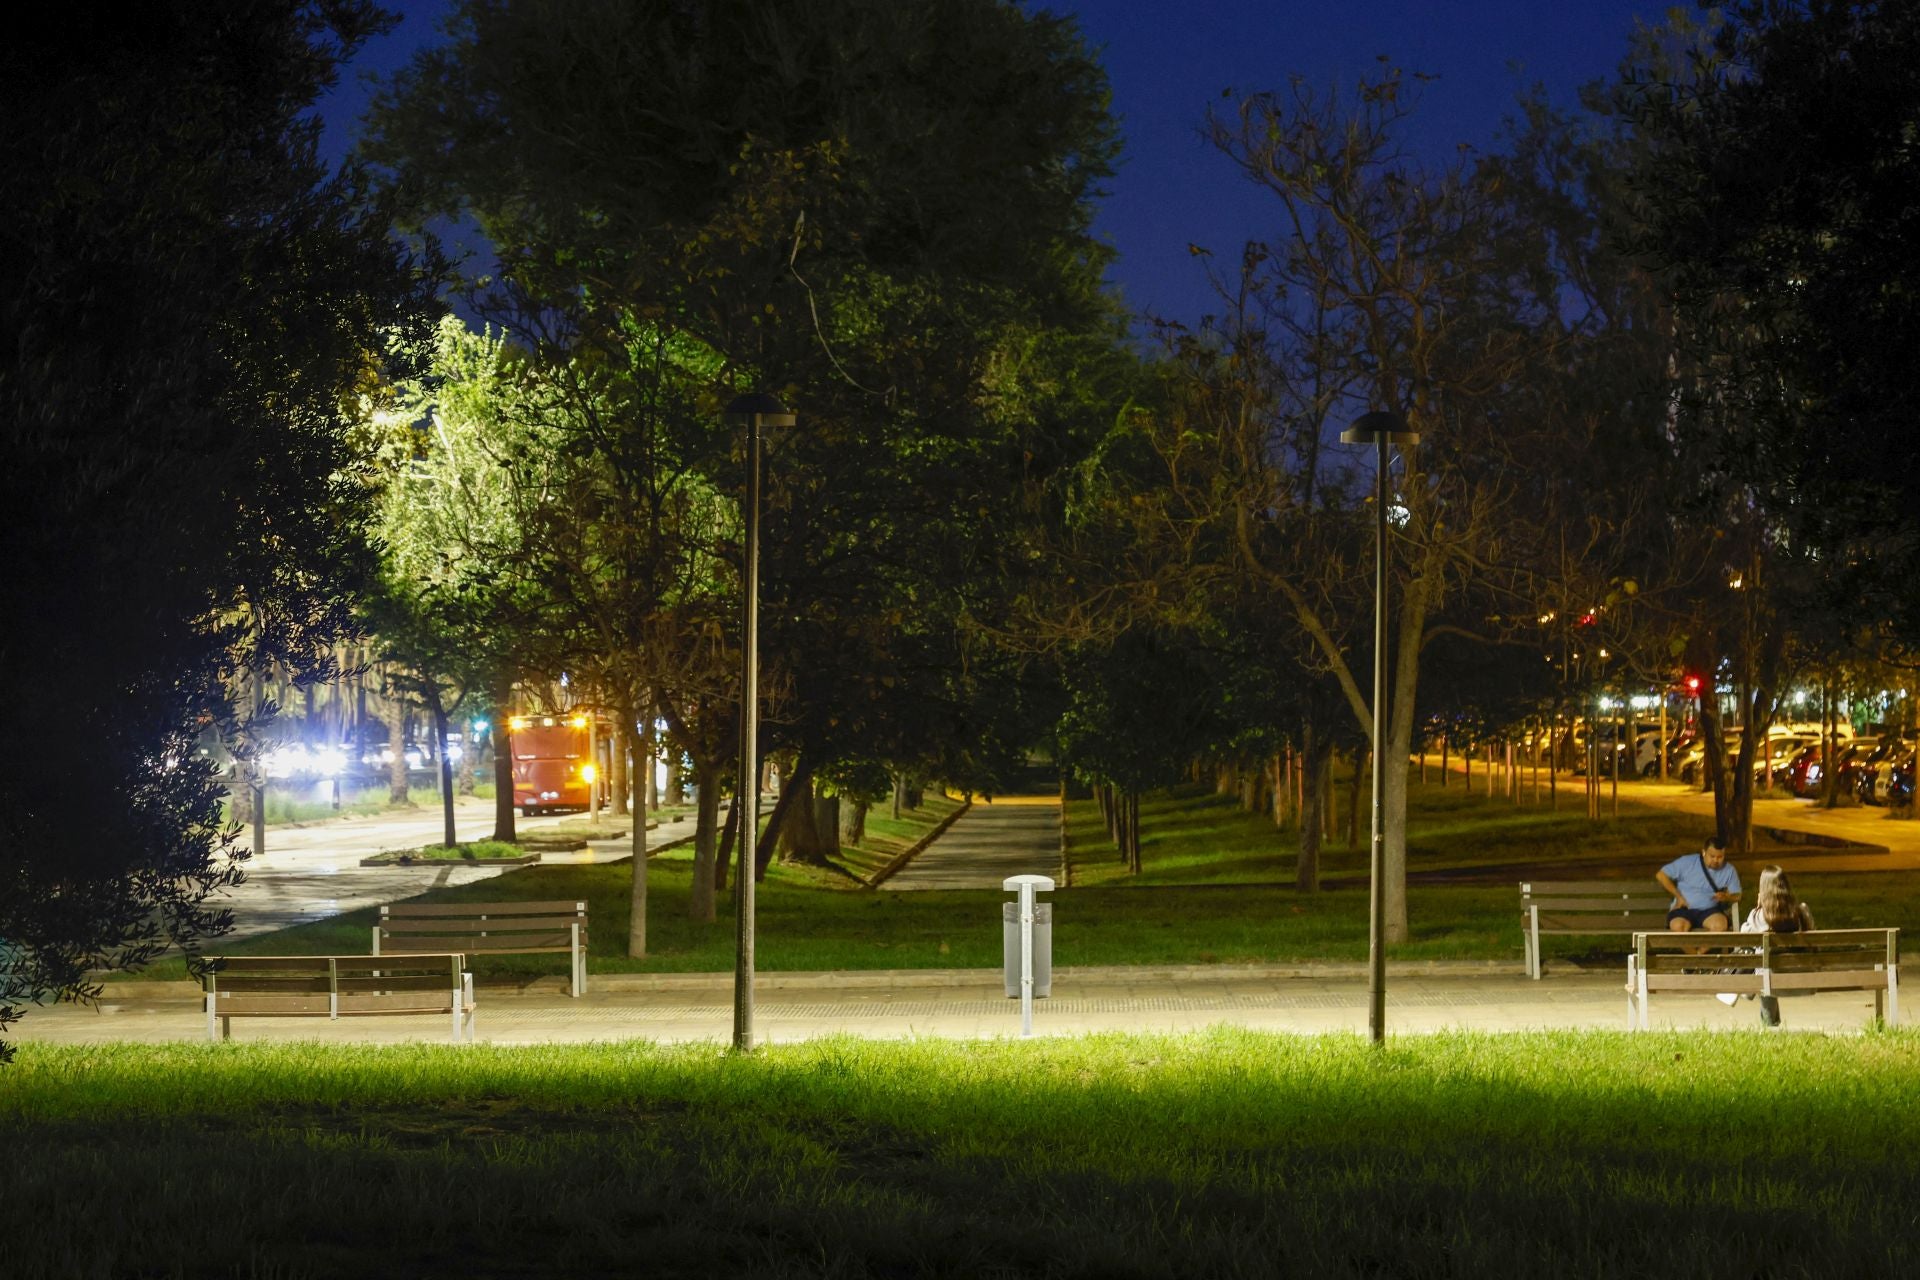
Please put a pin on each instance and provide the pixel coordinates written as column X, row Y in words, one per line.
column 313, row 870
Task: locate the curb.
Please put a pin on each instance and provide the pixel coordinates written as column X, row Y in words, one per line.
column 913, row 851
column 379, row 861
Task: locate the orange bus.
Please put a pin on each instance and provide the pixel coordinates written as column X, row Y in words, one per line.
column 551, row 766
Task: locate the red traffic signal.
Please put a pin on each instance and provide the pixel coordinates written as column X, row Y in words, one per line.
column 1693, row 686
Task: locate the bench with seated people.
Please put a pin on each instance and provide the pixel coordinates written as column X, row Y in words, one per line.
column 488, row 928
column 337, row 987
column 1765, row 965
column 1621, row 908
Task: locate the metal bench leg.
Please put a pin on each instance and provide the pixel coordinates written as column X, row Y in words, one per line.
column 212, row 1034
column 578, row 961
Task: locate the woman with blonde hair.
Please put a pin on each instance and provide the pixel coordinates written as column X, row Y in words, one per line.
column 1776, row 910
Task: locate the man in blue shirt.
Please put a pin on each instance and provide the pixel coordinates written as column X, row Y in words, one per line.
column 1704, row 887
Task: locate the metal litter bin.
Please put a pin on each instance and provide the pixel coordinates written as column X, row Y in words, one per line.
column 1042, row 948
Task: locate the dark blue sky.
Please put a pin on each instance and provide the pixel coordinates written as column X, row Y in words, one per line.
column 1168, row 62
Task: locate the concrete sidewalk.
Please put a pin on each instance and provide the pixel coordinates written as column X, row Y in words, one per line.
column 970, row 1004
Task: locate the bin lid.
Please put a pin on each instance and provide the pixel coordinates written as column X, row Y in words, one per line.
column 1041, row 884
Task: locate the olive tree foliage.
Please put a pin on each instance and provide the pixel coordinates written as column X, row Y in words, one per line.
column 456, row 607
column 866, row 208
column 192, row 305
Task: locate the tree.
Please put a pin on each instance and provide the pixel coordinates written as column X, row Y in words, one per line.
column 862, row 206
column 1777, row 182
column 192, row 304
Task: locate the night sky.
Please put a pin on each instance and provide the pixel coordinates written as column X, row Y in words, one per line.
column 1168, row 63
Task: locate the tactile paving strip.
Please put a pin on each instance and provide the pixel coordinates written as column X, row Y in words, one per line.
column 911, row 1009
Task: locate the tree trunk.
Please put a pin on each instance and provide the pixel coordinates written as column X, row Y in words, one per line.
column 1404, row 680
column 723, row 859
column 463, row 783
column 791, row 787
column 643, row 757
column 619, row 744
column 674, row 793
column 1353, row 800
column 853, row 821
column 1316, row 764
column 449, row 831
column 1279, row 810
column 503, row 828
column 397, row 746
column 706, row 781
column 1133, row 832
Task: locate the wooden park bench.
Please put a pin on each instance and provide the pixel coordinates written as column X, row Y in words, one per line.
column 1622, row 907
column 1766, row 964
column 487, row 928
column 337, row 987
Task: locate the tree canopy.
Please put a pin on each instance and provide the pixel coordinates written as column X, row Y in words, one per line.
column 192, row 305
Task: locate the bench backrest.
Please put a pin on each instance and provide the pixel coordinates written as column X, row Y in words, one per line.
column 1595, row 905
column 331, row 975
column 1817, row 960
column 481, row 926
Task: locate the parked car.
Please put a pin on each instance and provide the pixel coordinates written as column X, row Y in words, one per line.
column 1806, row 780
column 1899, row 788
column 1871, row 775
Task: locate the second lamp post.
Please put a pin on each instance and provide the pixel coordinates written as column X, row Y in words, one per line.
column 755, row 412
column 1380, row 430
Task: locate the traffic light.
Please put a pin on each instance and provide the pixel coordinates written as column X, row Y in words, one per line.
column 1693, row 686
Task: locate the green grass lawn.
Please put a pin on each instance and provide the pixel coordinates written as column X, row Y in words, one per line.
column 1221, row 1154
column 1217, row 888
column 473, row 851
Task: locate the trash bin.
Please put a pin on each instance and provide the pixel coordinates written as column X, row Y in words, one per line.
column 1042, row 948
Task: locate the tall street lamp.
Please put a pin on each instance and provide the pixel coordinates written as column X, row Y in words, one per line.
column 754, row 411
column 1380, row 430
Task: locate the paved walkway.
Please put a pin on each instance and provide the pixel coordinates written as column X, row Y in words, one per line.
column 1887, row 844
column 313, row 871
column 1007, row 836
column 971, row 1004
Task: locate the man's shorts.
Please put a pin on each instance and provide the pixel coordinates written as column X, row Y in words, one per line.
column 1697, row 916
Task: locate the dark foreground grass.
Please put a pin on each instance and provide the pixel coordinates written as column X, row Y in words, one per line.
column 1223, row 1154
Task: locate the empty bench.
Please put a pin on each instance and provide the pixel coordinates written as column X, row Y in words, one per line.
column 1566, row 907
column 337, row 987
column 1765, row 964
column 487, row 928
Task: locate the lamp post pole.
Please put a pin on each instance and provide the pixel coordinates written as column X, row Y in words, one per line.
column 756, row 411
column 1379, row 430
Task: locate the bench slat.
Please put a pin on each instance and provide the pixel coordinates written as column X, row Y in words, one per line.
column 1738, row 983
column 1645, row 902
column 1583, row 887
column 397, row 910
column 496, row 944
column 397, row 982
column 475, row 924
column 1823, row 961
column 1832, row 980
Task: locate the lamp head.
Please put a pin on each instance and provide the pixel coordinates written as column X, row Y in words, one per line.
column 759, row 405
column 1371, row 428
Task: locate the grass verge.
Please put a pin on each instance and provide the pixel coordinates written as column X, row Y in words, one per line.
column 1226, row 1153
column 476, row 851
column 1217, row 888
